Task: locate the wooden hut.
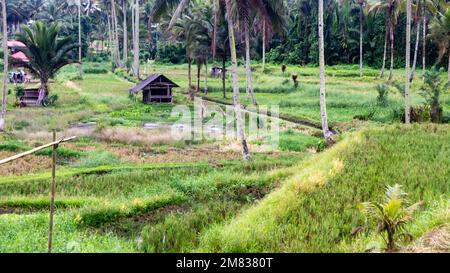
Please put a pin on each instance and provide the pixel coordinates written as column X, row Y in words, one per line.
column 155, row 89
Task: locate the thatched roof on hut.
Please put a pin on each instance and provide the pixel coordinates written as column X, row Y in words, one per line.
column 154, row 81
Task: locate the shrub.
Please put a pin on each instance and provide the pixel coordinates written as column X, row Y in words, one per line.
column 283, row 69
column 431, row 90
column 294, row 79
column 400, row 88
column 20, row 125
column 383, row 91
column 95, row 70
column 12, row 146
column 19, row 91
column 391, row 215
column 52, row 99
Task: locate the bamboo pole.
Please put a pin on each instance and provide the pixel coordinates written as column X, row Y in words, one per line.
column 52, row 196
column 12, row 158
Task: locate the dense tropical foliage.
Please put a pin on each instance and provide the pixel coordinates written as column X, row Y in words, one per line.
column 289, row 28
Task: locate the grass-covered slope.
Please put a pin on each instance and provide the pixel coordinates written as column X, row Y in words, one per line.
column 316, row 209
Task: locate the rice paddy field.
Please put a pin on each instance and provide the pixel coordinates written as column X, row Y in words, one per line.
column 124, row 185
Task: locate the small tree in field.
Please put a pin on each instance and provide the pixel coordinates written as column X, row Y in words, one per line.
column 283, row 69
column 47, row 52
column 391, row 215
column 431, row 90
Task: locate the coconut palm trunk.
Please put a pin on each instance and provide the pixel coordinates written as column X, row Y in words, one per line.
column 234, row 68
column 125, row 33
column 206, row 76
column 248, row 68
column 408, row 61
column 191, row 93
column 199, row 69
column 136, row 41
column 416, row 50
column 361, row 17
column 224, row 66
column 190, row 72
column 79, row 40
column 323, row 105
column 110, row 39
column 391, row 34
column 424, row 41
column 386, row 38
column 264, row 45
column 5, row 67
column 448, row 68
column 114, row 34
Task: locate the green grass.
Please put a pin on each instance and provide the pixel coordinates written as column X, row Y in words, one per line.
column 281, row 201
column 97, row 207
column 12, row 146
column 292, row 141
column 316, row 209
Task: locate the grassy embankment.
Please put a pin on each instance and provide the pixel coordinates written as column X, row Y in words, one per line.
column 316, row 209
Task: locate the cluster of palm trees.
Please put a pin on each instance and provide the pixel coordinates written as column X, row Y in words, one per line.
column 423, row 10
column 238, row 18
column 215, row 29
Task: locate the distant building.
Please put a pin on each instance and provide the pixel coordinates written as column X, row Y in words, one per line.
column 17, row 56
column 155, row 89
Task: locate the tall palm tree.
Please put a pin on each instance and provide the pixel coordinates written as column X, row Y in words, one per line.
column 408, row 62
column 274, row 21
column 125, row 32
column 163, row 6
column 47, row 52
column 440, row 35
column 234, row 67
column 5, row 66
column 136, row 71
column 323, row 105
column 392, row 9
column 361, row 18
column 421, row 7
column 429, row 9
column 79, row 39
column 114, row 34
column 185, row 30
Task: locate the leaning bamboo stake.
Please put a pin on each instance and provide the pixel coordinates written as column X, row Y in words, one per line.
column 52, row 196
column 12, row 158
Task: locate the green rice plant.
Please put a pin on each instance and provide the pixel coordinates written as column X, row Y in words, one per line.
column 296, row 142
column 315, row 210
column 97, row 158
column 60, row 152
column 179, row 231
column 107, row 213
column 13, row 146
column 391, row 216
column 39, row 203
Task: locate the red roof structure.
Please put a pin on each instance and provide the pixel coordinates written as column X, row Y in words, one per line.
column 15, row 44
column 20, row 57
